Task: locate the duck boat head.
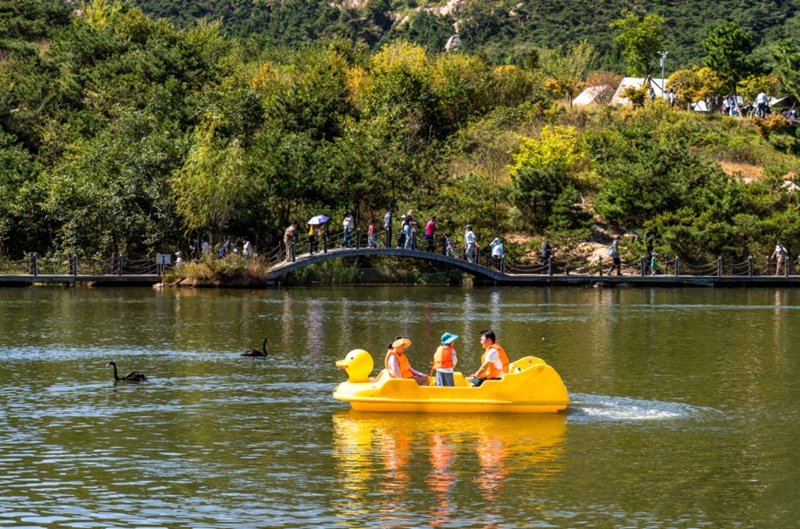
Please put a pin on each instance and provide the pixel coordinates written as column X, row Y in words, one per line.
column 358, row 365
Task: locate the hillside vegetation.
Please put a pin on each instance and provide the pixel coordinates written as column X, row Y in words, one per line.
column 505, row 30
column 122, row 133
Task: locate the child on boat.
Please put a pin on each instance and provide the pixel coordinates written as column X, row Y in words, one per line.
column 397, row 362
column 444, row 360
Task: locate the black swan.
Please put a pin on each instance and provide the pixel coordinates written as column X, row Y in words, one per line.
column 256, row 352
column 133, row 375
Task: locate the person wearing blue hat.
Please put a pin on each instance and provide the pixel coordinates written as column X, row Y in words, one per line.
column 444, row 360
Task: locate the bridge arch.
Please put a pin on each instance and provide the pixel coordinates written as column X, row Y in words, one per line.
column 301, row 261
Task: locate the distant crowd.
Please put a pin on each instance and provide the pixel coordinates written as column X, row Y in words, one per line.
column 406, row 237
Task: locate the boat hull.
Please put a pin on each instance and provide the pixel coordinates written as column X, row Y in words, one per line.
column 532, row 386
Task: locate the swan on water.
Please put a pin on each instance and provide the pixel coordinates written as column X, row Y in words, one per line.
column 256, row 352
column 133, row 375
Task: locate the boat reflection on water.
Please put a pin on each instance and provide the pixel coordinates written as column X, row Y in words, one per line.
column 399, row 459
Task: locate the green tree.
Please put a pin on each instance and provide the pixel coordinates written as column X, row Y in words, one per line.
column 568, row 69
column 729, row 48
column 111, row 193
column 641, row 40
column 787, row 54
column 212, row 182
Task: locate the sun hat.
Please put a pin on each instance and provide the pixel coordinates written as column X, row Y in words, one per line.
column 404, row 342
column 448, row 338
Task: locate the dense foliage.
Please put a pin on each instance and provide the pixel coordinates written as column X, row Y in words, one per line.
column 505, row 30
column 122, row 133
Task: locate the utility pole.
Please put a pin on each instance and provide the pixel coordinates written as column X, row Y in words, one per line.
column 663, row 82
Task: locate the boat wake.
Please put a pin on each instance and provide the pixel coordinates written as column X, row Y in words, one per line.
column 605, row 408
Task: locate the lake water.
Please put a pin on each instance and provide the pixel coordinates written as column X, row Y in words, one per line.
column 684, row 410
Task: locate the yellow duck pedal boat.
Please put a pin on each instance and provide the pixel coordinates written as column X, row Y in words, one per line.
column 530, row 386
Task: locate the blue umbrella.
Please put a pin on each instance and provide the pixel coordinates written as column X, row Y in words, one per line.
column 319, row 219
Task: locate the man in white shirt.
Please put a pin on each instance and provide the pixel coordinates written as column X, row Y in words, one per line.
column 387, row 226
column 781, row 254
column 348, row 224
column 470, row 244
column 761, row 104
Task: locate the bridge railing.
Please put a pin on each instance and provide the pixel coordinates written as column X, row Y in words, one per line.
column 305, row 246
column 16, row 267
column 73, row 265
column 70, row 264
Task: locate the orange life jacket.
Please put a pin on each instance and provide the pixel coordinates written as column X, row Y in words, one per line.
column 443, row 357
column 402, row 361
column 491, row 370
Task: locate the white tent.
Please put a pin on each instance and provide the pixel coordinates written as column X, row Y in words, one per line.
column 635, row 82
column 588, row 96
column 783, row 102
column 700, row 106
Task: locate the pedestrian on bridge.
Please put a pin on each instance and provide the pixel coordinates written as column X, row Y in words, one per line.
column 470, row 244
column 408, row 232
column 387, row 227
column 781, row 253
column 372, row 237
column 613, row 251
column 430, row 231
column 401, row 239
column 450, row 247
column 348, row 224
column 497, row 251
column 289, row 237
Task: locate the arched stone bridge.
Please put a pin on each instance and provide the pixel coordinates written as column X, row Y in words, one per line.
column 301, row 261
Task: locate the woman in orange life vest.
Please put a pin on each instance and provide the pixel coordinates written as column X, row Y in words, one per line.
column 397, row 362
column 494, row 362
column 444, row 360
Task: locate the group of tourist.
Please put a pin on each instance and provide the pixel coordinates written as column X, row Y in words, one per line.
column 494, row 361
column 407, row 238
column 199, row 248
column 760, row 107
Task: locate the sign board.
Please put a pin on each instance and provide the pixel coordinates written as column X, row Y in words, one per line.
column 163, row 258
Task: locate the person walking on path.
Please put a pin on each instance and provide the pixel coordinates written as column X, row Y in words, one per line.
column 470, row 244
column 372, row 237
column 494, row 362
column 401, row 238
column 781, row 254
column 203, row 247
column 387, row 227
column 430, row 231
column 648, row 254
column 613, row 251
column 450, row 247
column 497, row 251
column 348, row 223
column 547, row 251
column 227, row 247
column 247, row 248
column 408, row 233
column 289, row 237
column 444, row 360
column 314, row 232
